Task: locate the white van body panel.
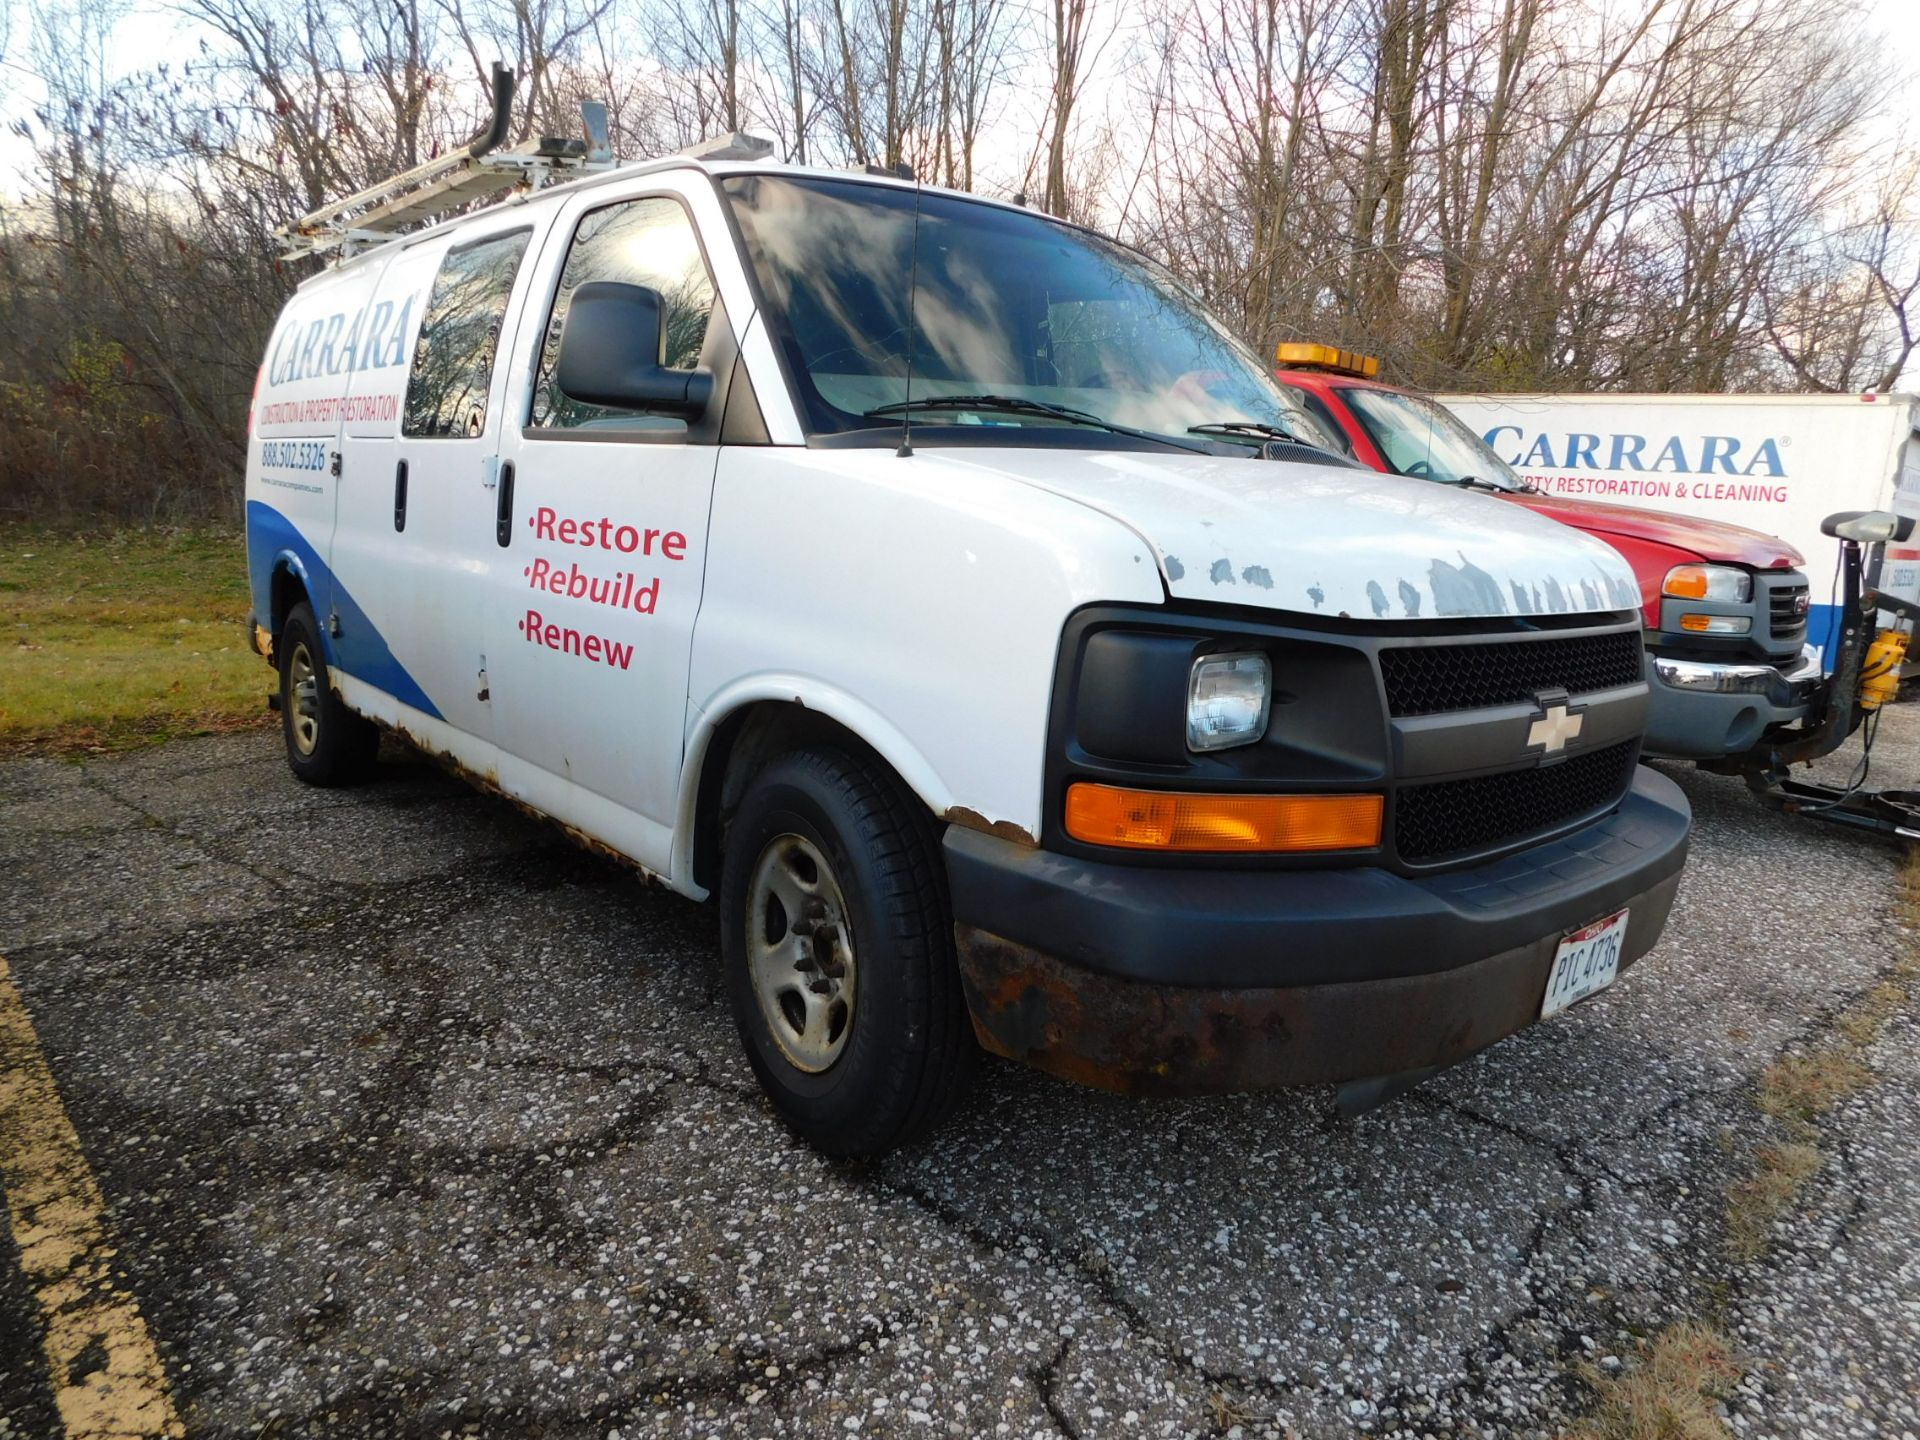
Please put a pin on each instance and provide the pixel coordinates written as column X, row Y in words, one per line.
column 313, row 356
column 1779, row 464
column 928, row 589
column 1319, row 539
column 597, row 735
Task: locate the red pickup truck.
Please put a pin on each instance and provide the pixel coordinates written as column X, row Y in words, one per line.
column 1725, row 608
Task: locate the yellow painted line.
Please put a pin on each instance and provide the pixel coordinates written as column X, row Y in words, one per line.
column 105, row 1373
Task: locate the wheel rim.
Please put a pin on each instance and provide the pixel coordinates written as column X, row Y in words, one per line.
column 800, row 953
column 303, row 695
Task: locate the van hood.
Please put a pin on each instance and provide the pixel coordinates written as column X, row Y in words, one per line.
column 1698, row 536
column 1320, row 539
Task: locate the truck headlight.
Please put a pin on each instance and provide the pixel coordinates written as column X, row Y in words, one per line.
column 1709, row 582
column 1228, row 700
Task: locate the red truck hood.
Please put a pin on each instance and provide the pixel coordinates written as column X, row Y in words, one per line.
column 1708, row 539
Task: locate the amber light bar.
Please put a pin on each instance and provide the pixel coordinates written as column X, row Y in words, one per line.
column 1305, row 355
column 1242, row 824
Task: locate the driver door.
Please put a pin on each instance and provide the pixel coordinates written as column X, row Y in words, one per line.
column 597, row 570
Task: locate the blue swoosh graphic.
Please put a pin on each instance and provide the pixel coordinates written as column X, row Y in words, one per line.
column 359, row 650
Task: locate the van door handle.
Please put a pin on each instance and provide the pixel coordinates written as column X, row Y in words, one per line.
column 400, row 495
column 503, row 514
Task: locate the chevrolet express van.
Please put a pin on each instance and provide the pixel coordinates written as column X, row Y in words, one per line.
column 931, row 585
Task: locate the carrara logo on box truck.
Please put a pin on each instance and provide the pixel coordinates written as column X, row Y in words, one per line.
column 1710, row 455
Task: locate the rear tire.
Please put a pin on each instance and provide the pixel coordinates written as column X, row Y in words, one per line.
column 327, row 744
column 838, row 947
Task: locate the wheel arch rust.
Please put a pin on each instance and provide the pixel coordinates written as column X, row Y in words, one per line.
column 747, row 725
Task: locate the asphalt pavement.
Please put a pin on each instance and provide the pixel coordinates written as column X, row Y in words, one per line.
column 409, row 1118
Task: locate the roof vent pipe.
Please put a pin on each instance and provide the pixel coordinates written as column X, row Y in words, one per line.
column 496, row 128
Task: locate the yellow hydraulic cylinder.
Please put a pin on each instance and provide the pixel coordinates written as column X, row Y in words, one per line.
column 1880, row 671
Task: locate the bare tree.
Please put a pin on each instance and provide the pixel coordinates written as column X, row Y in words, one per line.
column 1671, row 194
column 1069, row 55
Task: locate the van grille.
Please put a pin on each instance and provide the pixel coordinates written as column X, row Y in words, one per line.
column 1432, row 679
column 1457, row 817
column 1787, row 610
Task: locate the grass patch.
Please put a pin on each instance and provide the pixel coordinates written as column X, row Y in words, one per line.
column 112, row 641
column 1797, row 1090
column 1670, row 1392
column 1754, row 1204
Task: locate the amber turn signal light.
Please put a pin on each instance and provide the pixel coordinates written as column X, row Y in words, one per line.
column 1689, row 582
column 1168, row 820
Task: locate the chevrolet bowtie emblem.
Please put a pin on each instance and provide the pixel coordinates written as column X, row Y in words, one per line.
column 1555, row 727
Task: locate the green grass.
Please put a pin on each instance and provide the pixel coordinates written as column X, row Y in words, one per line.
column 111, row 641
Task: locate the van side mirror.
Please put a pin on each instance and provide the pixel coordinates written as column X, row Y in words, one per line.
column 610, row 354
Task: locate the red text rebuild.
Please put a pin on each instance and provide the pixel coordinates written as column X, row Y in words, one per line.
column 624, row 590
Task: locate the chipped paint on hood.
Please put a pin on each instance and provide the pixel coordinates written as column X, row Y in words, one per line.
column 1322, row 540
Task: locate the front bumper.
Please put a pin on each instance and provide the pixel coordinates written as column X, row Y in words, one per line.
column 1704, row 709
column 1173, row 981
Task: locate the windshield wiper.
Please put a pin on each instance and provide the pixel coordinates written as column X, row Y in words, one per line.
column 1020, row 405
column 1253, row 429
column 1477, row 482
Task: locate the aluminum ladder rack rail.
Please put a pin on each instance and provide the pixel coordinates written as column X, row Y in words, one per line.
column 432, row 189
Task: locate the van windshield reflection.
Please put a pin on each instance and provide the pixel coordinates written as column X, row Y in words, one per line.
column 1008, row 304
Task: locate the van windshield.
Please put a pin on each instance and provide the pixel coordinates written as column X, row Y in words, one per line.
column 1010, row 305
column 1424, row 439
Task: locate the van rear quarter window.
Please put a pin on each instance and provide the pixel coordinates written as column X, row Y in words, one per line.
column 453, row 359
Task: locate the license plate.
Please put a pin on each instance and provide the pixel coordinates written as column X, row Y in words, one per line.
column 1587, row 961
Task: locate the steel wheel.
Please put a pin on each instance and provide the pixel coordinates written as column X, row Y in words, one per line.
column 800, row 953
column 303, row 692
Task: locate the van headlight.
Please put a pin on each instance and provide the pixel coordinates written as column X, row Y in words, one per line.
column 1228, row 700
column 1720, row 583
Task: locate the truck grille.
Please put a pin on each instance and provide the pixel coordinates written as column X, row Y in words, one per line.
column 1787, row 609
column 1457, row 817
column 1432, row 679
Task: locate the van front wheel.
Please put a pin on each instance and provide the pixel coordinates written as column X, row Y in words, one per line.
column 839, row 953
column 327, row 744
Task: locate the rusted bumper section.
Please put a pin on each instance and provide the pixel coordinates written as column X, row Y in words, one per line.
column 1269, row 986
column 1170, row 1040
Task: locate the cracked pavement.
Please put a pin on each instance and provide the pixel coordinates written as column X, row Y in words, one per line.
column 412, row 1119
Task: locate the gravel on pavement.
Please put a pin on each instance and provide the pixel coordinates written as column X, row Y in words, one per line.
column 412, row 1119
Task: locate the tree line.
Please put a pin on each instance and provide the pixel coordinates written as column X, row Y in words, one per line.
column 1490, row 194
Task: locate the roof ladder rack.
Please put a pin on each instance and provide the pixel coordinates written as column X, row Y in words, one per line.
column 478, row 171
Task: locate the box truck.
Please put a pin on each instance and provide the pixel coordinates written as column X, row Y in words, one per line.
column 1779, row 464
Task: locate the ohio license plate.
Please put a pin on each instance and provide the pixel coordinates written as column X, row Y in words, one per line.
column 1587, row 960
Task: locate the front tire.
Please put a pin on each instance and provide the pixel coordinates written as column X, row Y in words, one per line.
column 327, row 744
column 838, row 949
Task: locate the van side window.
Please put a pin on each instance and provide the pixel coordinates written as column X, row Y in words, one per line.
column 459, row 336
column 648, row 242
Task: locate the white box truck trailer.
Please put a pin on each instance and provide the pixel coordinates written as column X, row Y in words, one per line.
column 1775, row 463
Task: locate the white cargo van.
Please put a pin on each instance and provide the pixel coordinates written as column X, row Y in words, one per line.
column 911, row 573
